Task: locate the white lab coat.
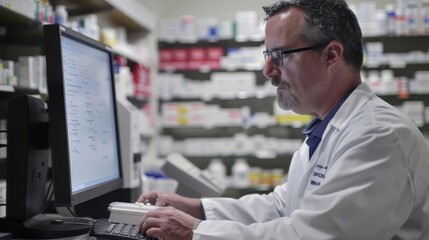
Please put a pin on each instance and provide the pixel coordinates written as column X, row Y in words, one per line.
column 368, row 179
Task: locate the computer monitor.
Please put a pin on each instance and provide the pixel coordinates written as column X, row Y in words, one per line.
column 83, row 138
column 83, row 127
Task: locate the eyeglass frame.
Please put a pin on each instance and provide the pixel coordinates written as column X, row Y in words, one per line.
column 283, row 52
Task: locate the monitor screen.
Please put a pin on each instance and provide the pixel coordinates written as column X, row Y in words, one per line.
column 82, row 116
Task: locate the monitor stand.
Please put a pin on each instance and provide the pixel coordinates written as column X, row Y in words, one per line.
column 44, row 226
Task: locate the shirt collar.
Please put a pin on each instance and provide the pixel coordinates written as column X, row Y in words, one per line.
column 316, row 127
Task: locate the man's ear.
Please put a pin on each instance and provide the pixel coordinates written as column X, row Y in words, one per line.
column 334, row 53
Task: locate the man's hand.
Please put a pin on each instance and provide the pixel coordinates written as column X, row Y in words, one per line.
column 168, row 223
column 191, row 206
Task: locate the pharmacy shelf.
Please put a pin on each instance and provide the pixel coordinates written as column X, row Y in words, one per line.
column 216, row 99
column 407, row 70
column 394, row 99
column 6, row 88
column 18, row 90
column 251, row 127
column 12, row 19
column 128, row 53
column 227, row 47
column 260, row 104
column 19, row 29
column 279, row 131
column 256, row 104
column 25, row 31
column 392, row 44
column 131, row 14
column 206, row 72
column 257, row 157
column 197, row 75
column 401, row 44
column 406, row 46
column 419, row 41
column 225, row 43
column 280, row 161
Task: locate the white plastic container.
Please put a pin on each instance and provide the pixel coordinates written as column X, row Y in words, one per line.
column 217, row 169
column 61, row 15
column 390, row 19
column 240, row 173
column 92, row 29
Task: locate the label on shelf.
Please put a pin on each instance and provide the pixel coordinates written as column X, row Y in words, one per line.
column 288, row 119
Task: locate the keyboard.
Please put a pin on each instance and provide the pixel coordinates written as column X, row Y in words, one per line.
column 103, row 229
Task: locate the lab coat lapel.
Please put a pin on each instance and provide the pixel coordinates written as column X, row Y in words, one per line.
column 306, row 166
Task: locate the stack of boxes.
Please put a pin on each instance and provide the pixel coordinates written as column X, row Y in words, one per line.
column 193, row 58
column 32, row 72
column 40, row 10
column 200, row 114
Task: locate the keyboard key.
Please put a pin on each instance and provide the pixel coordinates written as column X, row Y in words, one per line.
column 110, row 228
column 126, row 230
column 118, row 229
column 134, row 231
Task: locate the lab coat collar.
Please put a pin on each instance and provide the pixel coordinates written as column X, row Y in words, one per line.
column 348, row 109
column 316, row 128
column 353, row 103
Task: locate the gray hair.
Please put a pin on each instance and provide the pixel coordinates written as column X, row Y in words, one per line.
column 327, row 20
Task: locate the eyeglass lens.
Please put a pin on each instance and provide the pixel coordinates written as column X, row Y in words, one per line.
column 276, row 57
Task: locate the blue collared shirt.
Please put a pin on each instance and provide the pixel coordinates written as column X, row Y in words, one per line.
column 316, row 127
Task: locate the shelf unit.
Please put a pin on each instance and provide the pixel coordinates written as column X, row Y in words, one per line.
column 392, row 44
column 132, row 15
column 404, row 67
column 265, row 160
column 22, row 35
column 401, row 44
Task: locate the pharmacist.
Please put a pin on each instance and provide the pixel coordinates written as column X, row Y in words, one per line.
column 362, row 172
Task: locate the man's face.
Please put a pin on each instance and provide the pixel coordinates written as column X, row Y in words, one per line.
column 299, row 79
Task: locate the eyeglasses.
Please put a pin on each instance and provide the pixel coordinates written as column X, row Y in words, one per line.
column 278, row 54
